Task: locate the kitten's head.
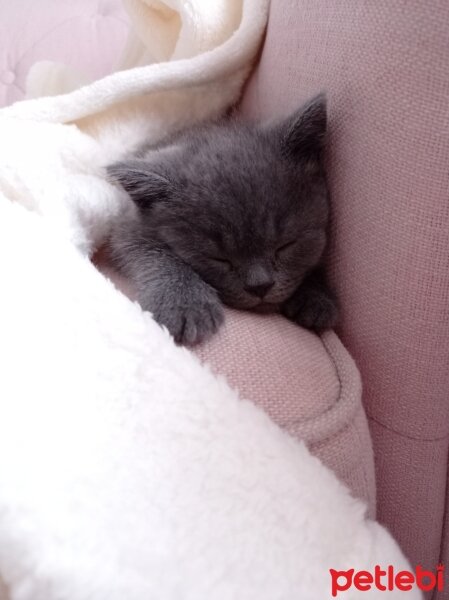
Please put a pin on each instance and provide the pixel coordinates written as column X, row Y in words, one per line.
column 245, row 205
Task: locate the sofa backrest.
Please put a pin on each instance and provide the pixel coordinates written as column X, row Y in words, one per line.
column 385, row 68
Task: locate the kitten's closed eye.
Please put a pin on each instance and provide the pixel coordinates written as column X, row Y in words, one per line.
column 281, row 249
column 223, row 262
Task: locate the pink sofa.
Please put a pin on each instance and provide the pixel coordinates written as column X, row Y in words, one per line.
column 67, row 32
column 385, row 69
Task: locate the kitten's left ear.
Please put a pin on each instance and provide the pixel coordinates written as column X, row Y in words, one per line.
column 141, row 180
column 304, row 132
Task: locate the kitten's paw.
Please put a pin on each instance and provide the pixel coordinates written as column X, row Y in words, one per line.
column 193, row 320
column 312, row 310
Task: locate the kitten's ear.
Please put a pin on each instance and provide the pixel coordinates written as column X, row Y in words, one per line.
column 303, row 133
column 142, row 183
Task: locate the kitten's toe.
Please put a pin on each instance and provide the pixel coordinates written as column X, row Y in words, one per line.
column 190, row 325
column 313, row 311
column 199, row 324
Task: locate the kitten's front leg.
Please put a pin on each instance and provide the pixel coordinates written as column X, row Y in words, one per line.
column 313, row 305
column 178, row 297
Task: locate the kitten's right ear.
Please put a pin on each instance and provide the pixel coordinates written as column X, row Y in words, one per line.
column 142, row 183
column 302, row 134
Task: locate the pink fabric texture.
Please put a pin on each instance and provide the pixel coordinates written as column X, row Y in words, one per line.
column 385, row 68
column 88, row 35
column 307, row 384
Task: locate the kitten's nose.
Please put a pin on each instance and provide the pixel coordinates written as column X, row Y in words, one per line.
column 259, row 289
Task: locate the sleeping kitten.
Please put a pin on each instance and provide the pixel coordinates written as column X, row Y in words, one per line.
column 229, row 213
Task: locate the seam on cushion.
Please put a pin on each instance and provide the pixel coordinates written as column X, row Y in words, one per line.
column 372, row 502
column 405, row 435
column 336, row 399
column 356, row 431
column 357, row 461
column 347, row 428
column 347, row 401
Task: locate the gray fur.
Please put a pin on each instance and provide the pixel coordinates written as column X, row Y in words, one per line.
column 232, row 213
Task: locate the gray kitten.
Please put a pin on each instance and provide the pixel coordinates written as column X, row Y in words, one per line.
column 231, row 213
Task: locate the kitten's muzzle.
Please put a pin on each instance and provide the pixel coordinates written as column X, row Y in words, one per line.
column 258, row 280
column 260, row 290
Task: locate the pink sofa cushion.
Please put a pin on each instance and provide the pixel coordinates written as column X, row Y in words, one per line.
column 244, row 350
column 88, row 35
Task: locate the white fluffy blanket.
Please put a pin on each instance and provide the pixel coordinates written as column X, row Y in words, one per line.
column 128, row 471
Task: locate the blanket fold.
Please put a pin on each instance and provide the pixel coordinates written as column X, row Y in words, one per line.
column 208, row 49
column 215, row 50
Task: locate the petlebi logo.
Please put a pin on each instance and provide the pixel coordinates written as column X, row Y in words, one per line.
column 386, row 579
